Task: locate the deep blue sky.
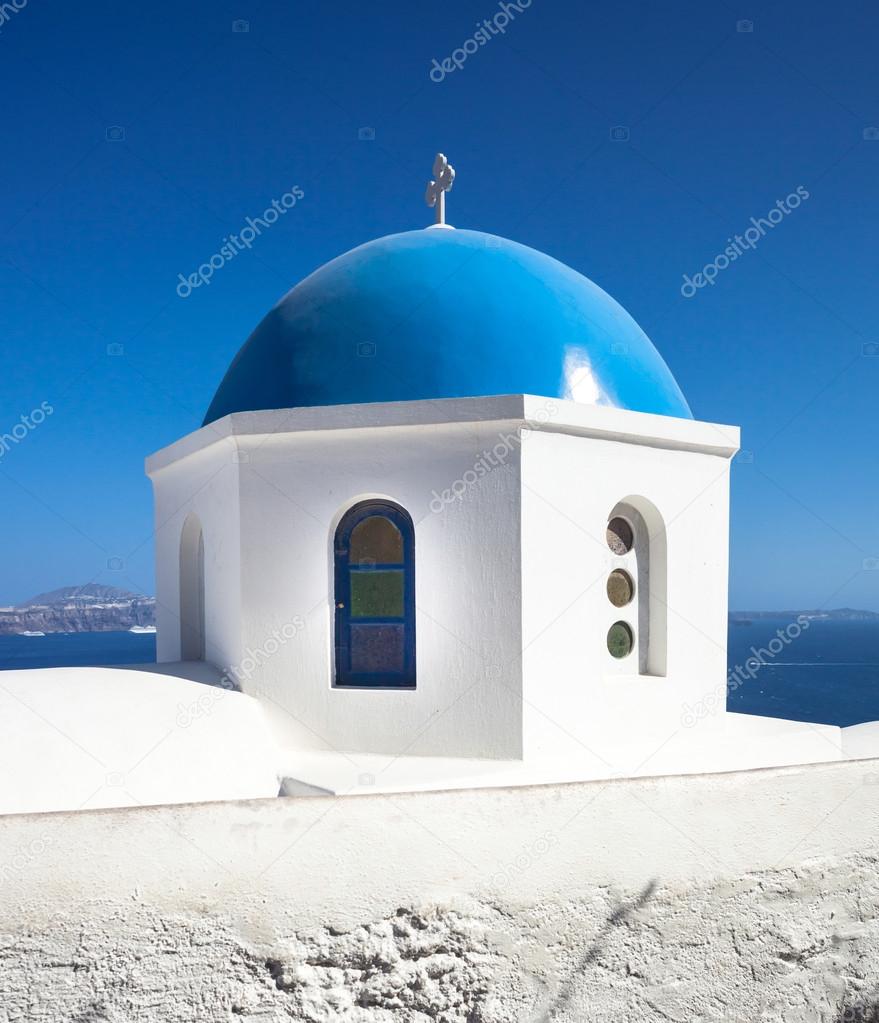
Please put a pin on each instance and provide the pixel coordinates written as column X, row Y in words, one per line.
column 721, row 123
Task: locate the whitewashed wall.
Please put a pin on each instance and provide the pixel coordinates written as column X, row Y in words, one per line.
column 206, row 484
column 294, row 490
column 731, row 897
column 577, row 695
column 270, row 488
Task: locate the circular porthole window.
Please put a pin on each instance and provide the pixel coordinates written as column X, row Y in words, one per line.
column 620, row 640
column 619, row 536
column 620, row 588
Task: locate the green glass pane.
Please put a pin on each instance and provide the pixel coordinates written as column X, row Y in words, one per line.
column 620, row 639
column 377, row 594
column 376, row 648
column 376, row 541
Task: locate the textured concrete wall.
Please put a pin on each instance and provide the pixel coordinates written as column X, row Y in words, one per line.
column 737, row 898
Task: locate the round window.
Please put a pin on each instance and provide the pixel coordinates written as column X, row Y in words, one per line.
column 620, row 640
column 620, row 588
column 619, row 536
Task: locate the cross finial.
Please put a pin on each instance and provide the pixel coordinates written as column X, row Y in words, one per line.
column 443, row 178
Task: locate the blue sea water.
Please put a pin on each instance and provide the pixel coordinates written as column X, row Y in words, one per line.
column 74, row 649
column 829, row 674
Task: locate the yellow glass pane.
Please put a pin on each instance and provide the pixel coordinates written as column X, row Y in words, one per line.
column 620, row 588
column 376, row 541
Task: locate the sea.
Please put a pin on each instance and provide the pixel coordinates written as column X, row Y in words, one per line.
column 828, row 673
column 77, row 649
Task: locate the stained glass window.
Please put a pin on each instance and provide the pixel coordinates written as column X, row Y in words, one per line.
column 619, row 536
column 375, row 597
column 620, row 640
column 376, row 540
column 620, row 588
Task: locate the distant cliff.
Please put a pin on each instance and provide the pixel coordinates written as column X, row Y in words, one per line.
column 839, row 614
column 91, row 608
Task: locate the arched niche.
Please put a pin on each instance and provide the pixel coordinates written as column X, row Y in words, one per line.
column 647, row 563
column 192, row 610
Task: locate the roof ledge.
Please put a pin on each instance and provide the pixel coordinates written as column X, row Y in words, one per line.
column 531, row 412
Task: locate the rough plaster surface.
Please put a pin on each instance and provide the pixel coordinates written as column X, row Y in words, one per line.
column 737, row 898
column 797, row 944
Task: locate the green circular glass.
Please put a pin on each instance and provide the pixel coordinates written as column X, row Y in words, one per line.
column 620, row 640
column 620, row 588
column 619, row 536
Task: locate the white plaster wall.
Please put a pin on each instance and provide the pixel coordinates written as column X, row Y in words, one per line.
column 294, row 489
column 579, row 700
column 297, row 471
column 81, row 738
column 205, row 483
column 740, row 897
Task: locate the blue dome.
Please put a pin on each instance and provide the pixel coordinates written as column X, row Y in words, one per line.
column 441, row 313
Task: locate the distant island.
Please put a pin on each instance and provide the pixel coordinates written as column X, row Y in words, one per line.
column 840, row 614
column 98, row 608
column 90, row 608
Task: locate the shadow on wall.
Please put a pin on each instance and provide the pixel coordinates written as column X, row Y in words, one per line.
column 561, row 1000
column 860, row 1012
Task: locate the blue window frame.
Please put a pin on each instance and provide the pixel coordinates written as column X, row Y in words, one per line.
column 374, row 551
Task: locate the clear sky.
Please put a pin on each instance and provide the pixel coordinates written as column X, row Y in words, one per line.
column 629, row 140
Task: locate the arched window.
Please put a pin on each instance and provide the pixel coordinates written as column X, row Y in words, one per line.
column 192, row 632
column 636, row 586
column 374, row 553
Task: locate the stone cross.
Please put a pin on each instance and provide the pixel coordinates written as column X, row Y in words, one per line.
column 443, row 178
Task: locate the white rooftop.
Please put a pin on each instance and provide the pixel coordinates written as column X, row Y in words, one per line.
column 86, row 738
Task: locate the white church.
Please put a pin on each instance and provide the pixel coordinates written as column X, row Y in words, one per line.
column 449, row 522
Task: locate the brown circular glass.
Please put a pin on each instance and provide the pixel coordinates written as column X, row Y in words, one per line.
column 620, row 588
column 620, row 640
column 619, row 536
